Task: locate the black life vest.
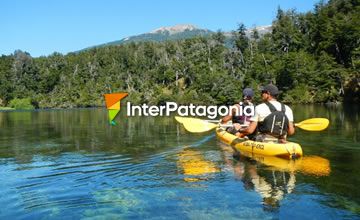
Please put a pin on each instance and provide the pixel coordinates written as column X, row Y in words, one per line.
column 275, row 124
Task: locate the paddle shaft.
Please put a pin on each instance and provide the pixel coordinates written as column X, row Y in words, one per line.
column 230, row 125
column 224, row 125
column 196, row 125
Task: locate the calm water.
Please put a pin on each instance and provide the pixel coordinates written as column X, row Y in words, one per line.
column 70, row 164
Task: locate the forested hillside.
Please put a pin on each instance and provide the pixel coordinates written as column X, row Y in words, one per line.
column 311, row 57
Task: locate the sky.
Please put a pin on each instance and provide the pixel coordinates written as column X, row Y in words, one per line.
column 42, row 27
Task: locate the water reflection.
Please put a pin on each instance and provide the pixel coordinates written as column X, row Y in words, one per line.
column 309, row 165
column 72, row 164
column 25, row 134
column 194, row 166
column 272, row 189
column 272, row 177
column 344, row 119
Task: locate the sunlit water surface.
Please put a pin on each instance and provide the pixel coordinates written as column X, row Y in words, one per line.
column 63, row 164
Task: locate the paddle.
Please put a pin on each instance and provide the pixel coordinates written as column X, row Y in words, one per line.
column 313, row 124
column 196, row 125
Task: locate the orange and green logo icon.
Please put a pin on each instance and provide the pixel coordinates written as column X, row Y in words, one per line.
column 112, row 101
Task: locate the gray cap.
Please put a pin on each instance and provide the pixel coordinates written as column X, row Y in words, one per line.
column 248, row 92
column 271, row 89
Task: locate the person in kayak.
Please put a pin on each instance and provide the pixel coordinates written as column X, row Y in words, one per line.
column 239, row 121
column 272, row 120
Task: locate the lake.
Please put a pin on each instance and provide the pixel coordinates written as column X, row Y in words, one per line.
column 70, row 164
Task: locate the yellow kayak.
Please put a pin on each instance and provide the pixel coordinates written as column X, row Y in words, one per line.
column 288, row 150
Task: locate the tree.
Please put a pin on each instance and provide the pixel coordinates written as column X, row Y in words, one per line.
column 241, row 40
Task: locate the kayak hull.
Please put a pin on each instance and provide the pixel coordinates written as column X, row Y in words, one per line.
column 287, row 150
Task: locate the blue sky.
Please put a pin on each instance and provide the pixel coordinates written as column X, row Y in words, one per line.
column 41, row 27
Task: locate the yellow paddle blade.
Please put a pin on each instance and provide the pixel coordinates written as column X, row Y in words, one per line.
column 313, row 124
column 180, row 119
column 195, row 125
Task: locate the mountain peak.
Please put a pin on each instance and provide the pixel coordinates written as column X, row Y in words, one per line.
column 174, row 29
column 179, row 32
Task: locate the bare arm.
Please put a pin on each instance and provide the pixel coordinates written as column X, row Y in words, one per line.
column 291, row 128
column 251, row 128
column 228, row 117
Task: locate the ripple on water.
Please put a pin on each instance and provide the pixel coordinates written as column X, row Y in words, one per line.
column 151, row 168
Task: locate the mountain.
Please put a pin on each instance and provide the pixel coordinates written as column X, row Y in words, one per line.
column 177, row 32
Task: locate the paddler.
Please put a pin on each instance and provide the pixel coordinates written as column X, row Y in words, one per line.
column 272, row 120
column 239, row 121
